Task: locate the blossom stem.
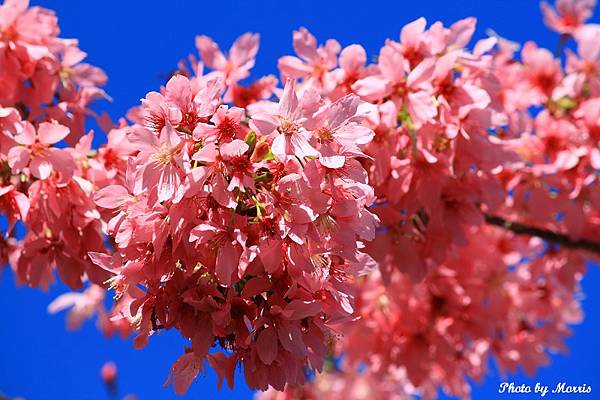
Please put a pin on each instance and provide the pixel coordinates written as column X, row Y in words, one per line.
column 564, row 38
column 546, row 234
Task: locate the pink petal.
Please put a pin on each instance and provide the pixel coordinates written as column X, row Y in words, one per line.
column 234, row 149
column 290, row 338
column 353, row 134
column 207, row 154
column 72, row 55
column 588, row 42
column 167, row 183
column 412, row 33
column 343, row 109
column 105, row 261
column 62, row 162
column 195, row 180
column 204, row 131
column 224, row 367
column 244, row 48
column 113, row 196
column 305, row 44
column 266, row 345
column 353, row 58
column 220, row 192
column 184, row 371
column 22, row 203
column 300, row 146
column 40, row 167
column 88, row 75
column 278, row 147
column 202, row 340
column 255, row 286
column 289, row 100
column 421, row 74
column 228, row 257
column 27, row 136
column 50, row 133
column 264, row 124
column 462, row 31
column 203, row 233
column 292, row 67
column 551, row 19
column 210, row 53
column 63, row 302
column 333, row 161
column 372, row 87
column 179, row 91
column 18, row 158
column 391, row 64
column 421, row 106
column 300, row 309
column 271, row 254
column 143, row 140
column 595, row 158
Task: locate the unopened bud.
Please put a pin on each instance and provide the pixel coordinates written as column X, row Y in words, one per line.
column 108, row 372
column 261, row 151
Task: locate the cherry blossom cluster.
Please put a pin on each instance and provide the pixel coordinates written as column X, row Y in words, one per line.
column 529, row 154
column 360, row 230
column 555, row 182
column 46, row 186
column 440, row 332
column 244, row 226
column 43, row 76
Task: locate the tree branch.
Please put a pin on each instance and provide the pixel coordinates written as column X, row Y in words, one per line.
column 546, row 234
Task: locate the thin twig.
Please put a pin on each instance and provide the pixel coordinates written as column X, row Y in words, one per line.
column 560, row 48
column 546, row 234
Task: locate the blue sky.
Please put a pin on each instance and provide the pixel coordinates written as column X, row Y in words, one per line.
column 136, row 43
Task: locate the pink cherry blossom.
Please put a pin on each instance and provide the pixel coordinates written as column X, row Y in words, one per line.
column 240, row 60
column 285, row 124
column 315, row 62
column 436, row 205
column 568, row 15
column 34, row 150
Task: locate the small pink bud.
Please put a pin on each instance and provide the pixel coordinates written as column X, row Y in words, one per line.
column 260, row 152
column 109, row 372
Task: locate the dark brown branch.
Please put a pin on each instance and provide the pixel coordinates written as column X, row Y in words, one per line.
column 546, row 234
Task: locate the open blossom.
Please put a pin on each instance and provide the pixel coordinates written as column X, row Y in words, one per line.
column 228, row 246
column 242, row 170
column 182, row 104
column 352, row 60
column 587, row 59
column 568, row 15
column 339, row 131
column 34, row 150
column 160, row 159
column 74, row 72
column 412, row 91
column 315, row 62
column 240, row 60
column 285, row 124
column 82, row 305
column 225, row 125
column 242, row 96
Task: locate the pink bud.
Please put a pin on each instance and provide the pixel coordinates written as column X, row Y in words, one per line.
column 108, row 372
